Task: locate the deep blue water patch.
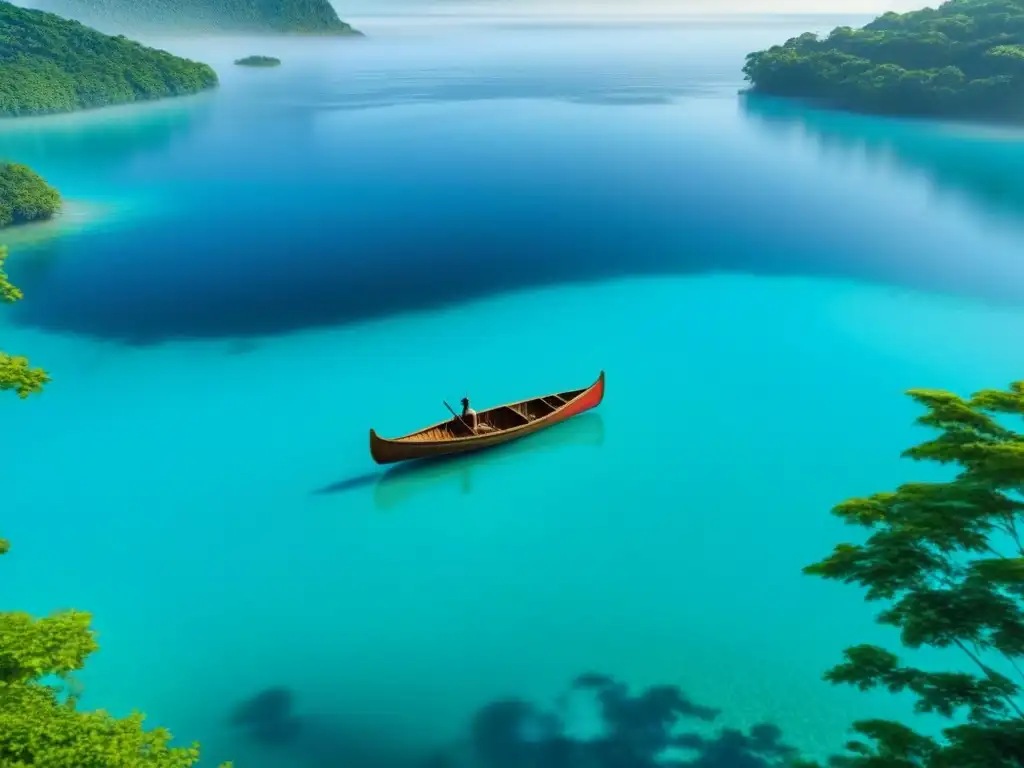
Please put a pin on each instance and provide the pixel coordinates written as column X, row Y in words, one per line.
column 284, row 207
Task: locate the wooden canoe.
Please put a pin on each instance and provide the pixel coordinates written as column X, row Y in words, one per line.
column 507, row 422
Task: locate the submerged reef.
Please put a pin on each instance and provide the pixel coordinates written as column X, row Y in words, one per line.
column 630, row 730
column 642, row 730
column 267, row 717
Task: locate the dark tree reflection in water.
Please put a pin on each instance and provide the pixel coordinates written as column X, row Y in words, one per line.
column 659, row 727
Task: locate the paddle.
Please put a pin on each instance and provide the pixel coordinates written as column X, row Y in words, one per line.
column 458, row 417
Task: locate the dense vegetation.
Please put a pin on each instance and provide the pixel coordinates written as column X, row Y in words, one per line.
column 964, row 59
column 49, row 64
column 40, row 722
column 258, row 61
column 250, row 16
column 15, row 375
column 25, row 196
column 948, row 560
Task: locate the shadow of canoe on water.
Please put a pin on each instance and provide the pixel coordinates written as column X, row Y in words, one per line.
column 400, row 484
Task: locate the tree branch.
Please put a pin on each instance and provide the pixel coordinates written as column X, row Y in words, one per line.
column 990, row 675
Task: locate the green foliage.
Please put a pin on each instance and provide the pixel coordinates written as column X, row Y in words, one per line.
column 15, row 372
column 41, row 725
column 49, row 64
column 258, row 61
column 948, row 561
column 279, row 16
column 25, row 195
column 963, row 59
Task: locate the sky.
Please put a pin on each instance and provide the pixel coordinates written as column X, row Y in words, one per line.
column 627, row 8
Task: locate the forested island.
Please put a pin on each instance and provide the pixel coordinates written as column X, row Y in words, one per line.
column 306, row 17
column 258, row 61
column 964, row 59
column 25, row 196
column 49, row 64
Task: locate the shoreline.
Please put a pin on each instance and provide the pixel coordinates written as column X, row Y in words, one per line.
column 75, row 216
column 78, row 117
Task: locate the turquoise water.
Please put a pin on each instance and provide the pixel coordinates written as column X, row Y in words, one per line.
column 349, row 240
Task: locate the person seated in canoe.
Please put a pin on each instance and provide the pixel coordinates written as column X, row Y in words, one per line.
column 469, row 416
column 471, row 420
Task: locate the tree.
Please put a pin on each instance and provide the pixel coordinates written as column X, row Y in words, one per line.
column 948, row 560
column 41, row 724
column 25, row 196
column 52, row 64
column 15, row 372
column 960, row 59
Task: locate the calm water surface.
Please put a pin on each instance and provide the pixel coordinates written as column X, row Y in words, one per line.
column 372, row 228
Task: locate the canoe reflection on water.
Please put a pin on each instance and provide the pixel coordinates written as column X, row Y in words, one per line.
column 402, row 483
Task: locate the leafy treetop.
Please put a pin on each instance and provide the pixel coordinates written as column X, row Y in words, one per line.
column 947, row 560
column 41, row 725
column 25, row 195
column 15, row 372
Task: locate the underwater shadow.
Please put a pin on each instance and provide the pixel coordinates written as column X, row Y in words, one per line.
column 400, row 484
column 626, row 730
column 248, row 291
column 597, row 722
column 639, row 730
column 268, row 716
column 268, row 720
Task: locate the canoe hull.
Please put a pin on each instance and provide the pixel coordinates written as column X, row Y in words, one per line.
column 387, row 451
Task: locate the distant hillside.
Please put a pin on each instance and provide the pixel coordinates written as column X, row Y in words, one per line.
column 310, row 17
column 49, row 64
